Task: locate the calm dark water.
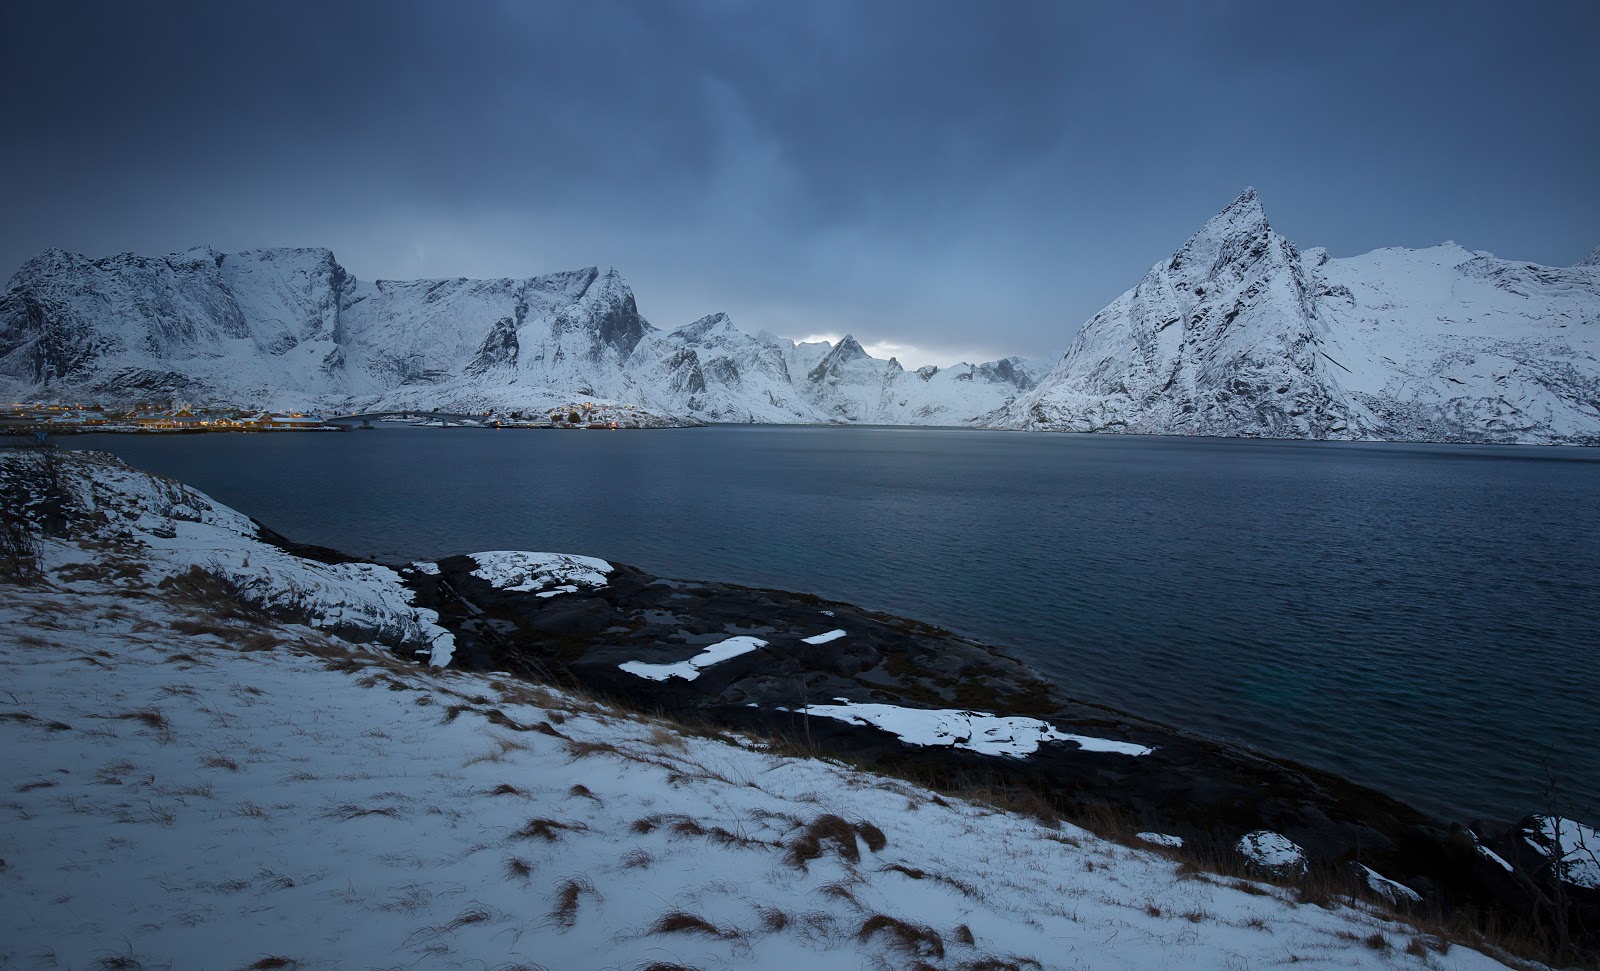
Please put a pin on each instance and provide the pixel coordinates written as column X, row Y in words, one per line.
column 1424, row 619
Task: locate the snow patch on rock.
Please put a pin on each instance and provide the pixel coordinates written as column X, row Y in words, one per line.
column 1573, row 846
column 986, row 734
column 1272, row 851
column 547, row 574
column 1391, row 890
column 824, row 638
column 690, row 669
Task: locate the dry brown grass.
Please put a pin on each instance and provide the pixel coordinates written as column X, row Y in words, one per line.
column 828, row 830
column 772, row 919
column 349, row 811
column 913, row 940
column 581, row 750
column 636, row 859
column 518, row 869
column 683, row 922
column 567, row 895
column 666, row 738
column 960, row 886
column 549, row 830
column 500, row 751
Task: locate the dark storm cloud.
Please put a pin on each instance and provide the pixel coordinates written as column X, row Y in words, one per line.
column 966, row 178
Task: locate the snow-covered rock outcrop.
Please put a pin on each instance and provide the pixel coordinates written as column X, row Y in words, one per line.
column 1241, row 334
column 290, row 328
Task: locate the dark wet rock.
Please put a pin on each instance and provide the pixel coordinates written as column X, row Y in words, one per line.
column 1205, row 791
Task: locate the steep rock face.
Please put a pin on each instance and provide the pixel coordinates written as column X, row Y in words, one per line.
column 1239, row 334
column 291, row 328
column 499, row 348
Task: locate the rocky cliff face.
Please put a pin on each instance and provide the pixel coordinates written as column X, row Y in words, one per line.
column 291, row 328
column 1240, row 334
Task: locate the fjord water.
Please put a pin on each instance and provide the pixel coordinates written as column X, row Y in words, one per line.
column 1422, row 619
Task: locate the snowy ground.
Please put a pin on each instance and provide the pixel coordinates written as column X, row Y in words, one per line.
column 203, row 799
column 188, row 784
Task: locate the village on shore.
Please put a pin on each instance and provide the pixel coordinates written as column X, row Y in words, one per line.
column 42, row 419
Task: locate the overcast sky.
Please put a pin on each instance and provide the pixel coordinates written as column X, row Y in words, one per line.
column 952, row 180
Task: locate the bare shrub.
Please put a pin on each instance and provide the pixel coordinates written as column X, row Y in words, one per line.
column 19, row 544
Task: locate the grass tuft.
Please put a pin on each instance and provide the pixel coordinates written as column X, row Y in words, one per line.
column 683, row 922
column 636, row 859
column 350, row 811
column 518, row 869
column 830, row 830
column 915, row 940
column 549, row 830
column 568, row 892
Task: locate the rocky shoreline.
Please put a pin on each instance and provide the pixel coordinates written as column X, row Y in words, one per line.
column 812, row 676
column 1207, row 793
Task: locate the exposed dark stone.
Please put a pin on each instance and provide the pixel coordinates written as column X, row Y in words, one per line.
column 1208, row 792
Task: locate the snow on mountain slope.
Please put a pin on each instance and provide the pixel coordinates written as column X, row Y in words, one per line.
column 192, row 785
column 1239, row 334
column 847, row 384
column 1442, row 342
column 291, row 328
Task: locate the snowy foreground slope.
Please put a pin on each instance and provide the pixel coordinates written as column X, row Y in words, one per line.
column 290, row 328
column 1241, row 334
column 192, row 785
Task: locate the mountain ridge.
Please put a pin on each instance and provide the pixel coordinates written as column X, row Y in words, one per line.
column 290, row 327
column 1240, row 334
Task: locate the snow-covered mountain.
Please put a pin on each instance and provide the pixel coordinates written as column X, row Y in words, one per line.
column 292, row 328
column 1241, row 334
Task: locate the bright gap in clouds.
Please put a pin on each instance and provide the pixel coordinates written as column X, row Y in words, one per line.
column 910, row 356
